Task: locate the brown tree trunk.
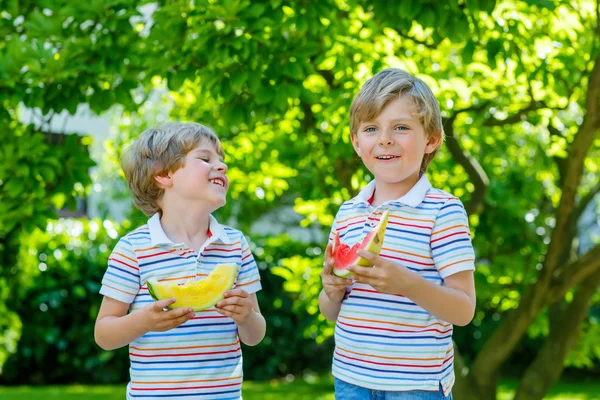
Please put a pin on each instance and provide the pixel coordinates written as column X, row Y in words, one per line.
column 464, row 386
column 547, row 367
column 506, row 337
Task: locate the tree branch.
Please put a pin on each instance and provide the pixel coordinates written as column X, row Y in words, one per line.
column 477, row 174
column 598, row 18
column 573, row 274
column 586, row 200
column 549, row 362
column 592, row 101
column 517, row 117
column 517, row 51
column 506, row 337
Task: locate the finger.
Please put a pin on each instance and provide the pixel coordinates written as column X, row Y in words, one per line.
column 159, row 305
column 180, row 312
column 363, row 271
column 374, row 258
column 178, row 321
column 328, row 252
column 236, row 293
column 233, row 308
column 224, row 312
column 337, row 281
column 231, row 300
column 367, row 280
column 335, row 286
column 232, row 315
column 229, row 311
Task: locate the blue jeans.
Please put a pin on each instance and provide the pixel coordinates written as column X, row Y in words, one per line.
column 348, row 391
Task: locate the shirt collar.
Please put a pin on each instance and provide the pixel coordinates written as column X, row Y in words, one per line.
column 413, row 198
column 158, row 236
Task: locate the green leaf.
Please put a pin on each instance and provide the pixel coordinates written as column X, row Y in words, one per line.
column 427, row 18
column 493, row 48
column 293, row 70
column 255, row 11
column 265, row 94
column 254, row 81
column 237, row 80
column 468, row 51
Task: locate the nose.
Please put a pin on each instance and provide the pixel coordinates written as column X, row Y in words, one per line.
column 385, row 139
column 221, row 167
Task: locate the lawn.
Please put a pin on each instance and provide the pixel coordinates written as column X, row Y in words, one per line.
column 316, row 389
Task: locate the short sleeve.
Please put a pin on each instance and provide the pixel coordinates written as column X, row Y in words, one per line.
column 248, row 277
column 450, row 243
column 121, row 280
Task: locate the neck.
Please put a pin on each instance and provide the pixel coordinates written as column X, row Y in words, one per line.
column 189, row 226
column 385, row 191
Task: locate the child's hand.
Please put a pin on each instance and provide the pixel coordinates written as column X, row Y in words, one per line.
column 385, row 276
column 158, row 320
column 334, row 286
column 236, row 305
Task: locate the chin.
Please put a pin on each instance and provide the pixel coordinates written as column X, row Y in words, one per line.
column 220, row 203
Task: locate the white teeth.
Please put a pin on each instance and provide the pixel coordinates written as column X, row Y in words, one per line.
column 386, row 157
column 218, row 182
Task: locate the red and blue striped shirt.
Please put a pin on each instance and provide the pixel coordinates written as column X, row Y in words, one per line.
column 202, row 358
column 387, row 342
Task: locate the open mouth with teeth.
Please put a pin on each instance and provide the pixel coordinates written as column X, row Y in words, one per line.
column 386, row 157
column 217, row 181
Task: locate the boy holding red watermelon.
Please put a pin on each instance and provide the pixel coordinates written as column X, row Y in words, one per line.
column 394, row 320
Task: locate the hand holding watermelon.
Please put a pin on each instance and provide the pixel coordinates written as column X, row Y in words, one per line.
column 236, row 305
column 334, row 287
column 156, row 319
column 385, row 276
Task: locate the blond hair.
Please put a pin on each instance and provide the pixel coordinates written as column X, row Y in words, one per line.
column 158, row 151
column 390, row 84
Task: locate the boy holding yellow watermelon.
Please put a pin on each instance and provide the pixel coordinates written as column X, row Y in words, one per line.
column 394, row 320
column 179, row 344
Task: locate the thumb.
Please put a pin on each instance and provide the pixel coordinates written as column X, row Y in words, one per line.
column 159, row 305
column 328, row 252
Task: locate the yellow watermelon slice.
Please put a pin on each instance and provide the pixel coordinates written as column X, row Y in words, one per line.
column 344, row 255
column 199, row 295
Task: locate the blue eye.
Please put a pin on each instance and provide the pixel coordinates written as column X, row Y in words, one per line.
column 370, row 129
column 402, row 128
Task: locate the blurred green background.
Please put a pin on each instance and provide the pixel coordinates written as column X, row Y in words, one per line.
column 519, row 86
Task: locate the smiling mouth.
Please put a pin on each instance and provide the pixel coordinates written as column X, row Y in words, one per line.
column 217, row 181
column 386, row 157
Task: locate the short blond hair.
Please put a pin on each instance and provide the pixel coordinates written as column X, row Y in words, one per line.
column 158, row 151
column 390, row 84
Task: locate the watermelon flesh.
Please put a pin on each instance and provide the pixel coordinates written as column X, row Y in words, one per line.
column 344, row 255
column 198, row 295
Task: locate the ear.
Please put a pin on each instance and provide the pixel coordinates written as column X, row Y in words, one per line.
column 354, row 140
column 164, row 181
column 434, row 141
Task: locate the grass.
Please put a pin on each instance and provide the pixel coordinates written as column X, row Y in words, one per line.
column 315, row 389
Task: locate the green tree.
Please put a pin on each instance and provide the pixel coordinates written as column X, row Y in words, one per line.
column 518, row 83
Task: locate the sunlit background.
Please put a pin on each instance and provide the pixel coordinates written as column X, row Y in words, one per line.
column 519, row 86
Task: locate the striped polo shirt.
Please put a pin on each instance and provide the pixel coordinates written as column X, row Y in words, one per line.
column 202, row 358
column 387, row 342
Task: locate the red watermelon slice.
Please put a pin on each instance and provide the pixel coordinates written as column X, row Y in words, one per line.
column 344, row 255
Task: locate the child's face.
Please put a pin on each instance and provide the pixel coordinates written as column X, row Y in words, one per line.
column 202, row 178
column 392, row 146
